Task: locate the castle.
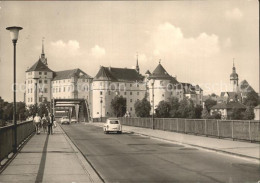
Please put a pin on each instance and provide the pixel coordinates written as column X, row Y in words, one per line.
column 44, row 84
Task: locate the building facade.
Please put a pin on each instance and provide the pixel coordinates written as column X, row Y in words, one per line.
column 44, row 84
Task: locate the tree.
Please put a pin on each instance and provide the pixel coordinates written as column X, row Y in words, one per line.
column 118, row 105
column 163, row 109
column 32, row 110
column 21, row 110
column 210, row 103
column 198, row 111
column 215, row 115
column 205, row 113
column 252, row 99
column 186, row 109
column 142, row 108
column 237, row 114
column 174, row 103
column 249, row 113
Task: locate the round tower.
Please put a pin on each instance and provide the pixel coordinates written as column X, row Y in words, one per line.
column 158, row 85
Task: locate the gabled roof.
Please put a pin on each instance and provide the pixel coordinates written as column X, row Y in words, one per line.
column 39, row 66
column 117, row 74
column 160, row 73
column 70, row 73
column 229, row 105
column 245, row 87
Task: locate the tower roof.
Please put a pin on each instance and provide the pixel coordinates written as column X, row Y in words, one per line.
column 234, row 75
column 160, row 73
column 39, row 66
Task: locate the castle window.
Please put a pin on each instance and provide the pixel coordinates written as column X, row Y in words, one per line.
column 45, row 90
column 130, row 93
column 125, row 93
column 31, row 90
column 45, row 81
column 162, row 95
column 101, row 93
column 45, row 73
column 131, row 108
column 108, row 92
column 40, row 73
column 40, row 81
column 64, row 89
column 131, row 100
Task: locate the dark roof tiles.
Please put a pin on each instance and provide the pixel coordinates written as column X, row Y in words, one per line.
column 117, row 74
column 70, row 73
column 39, row 66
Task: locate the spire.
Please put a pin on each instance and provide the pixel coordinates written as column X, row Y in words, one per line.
column 159, row 61
column 42, row 58
column 43, row 46
column 137, row 66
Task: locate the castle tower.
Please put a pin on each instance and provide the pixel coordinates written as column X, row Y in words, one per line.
column 38, row 81
column 158, row 84
column 234, row 79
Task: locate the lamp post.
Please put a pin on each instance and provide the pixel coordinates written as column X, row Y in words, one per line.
column 14, row 32
column 101, row 101
column 153, row 103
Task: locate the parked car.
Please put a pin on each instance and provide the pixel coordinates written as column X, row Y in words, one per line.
column 112, row 125
column 65, row 120
column 73, row 120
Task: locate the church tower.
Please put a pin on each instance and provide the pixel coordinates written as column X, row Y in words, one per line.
column 234, row 79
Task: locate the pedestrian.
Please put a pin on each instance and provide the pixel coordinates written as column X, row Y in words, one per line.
column 37, row 123
column 44, row 123
column 50, row 123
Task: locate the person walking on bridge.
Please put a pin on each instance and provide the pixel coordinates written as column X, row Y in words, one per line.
column 44, row 123
column 37, row 123
column 50, row 123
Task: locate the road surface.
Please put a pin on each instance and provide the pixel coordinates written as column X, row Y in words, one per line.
column 132, row 158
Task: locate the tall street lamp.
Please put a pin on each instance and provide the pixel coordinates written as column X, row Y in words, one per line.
column 153, row 103
column 14, row 32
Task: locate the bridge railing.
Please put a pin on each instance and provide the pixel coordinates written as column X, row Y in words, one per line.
column 235, row 129
column 24, row 129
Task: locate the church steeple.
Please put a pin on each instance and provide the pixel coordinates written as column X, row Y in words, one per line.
column 137, row 66
column 234, row 78
column 43, row 59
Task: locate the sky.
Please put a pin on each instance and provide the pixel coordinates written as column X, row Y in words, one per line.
column 196, row 41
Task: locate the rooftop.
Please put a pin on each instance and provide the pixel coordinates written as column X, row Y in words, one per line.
column 70, row 73
column 117, row 74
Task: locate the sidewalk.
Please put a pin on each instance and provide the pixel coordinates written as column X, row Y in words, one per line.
column 238, row 148
column 49, row 158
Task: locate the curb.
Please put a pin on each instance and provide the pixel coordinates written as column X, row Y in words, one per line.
column 87, row 166
column 256, row 160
